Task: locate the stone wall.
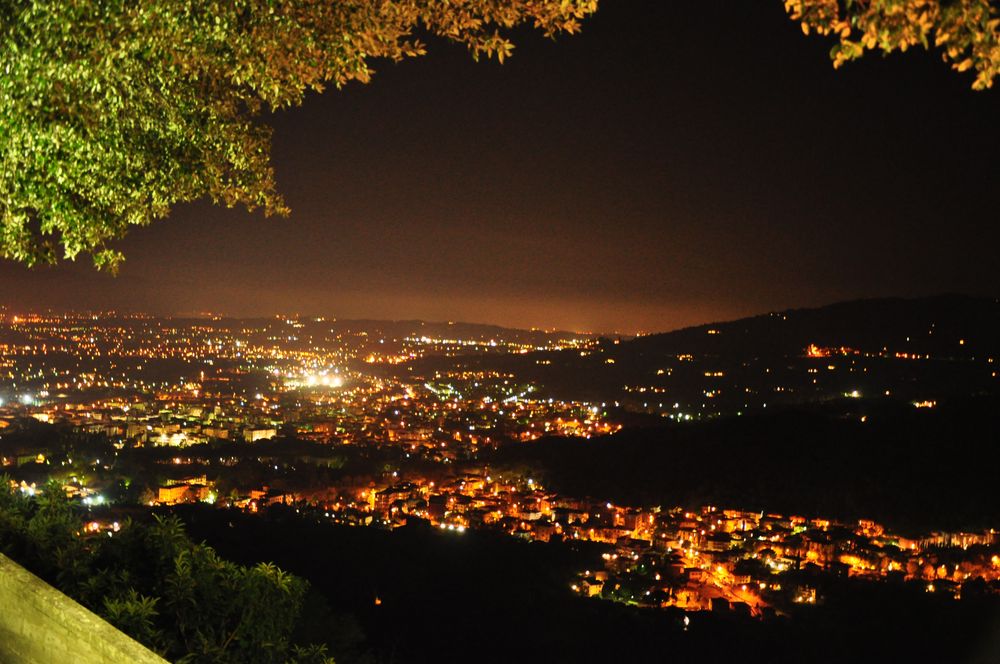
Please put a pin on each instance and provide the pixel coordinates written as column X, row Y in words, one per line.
column 40, row 625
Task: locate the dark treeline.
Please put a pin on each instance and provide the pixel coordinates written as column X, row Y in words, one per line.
column 913, row 468
column 131, row 475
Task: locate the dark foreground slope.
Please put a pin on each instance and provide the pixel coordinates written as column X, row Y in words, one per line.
column 487, row 598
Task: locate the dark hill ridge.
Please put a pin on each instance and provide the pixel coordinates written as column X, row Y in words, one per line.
column 745, row 365
column 953, row 326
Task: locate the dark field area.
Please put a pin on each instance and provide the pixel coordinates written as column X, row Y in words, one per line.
column 919, row 469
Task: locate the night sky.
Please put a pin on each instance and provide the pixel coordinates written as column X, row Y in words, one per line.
column 673, row 164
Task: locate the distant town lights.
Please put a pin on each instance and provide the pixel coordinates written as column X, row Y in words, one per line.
column 27, row 399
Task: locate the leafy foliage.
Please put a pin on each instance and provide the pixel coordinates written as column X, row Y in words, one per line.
column 152, row 582
column 134, row 614
column 966, row 31
column 113, row 111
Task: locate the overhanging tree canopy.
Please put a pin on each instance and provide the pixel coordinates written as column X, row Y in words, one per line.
column 967, row 32
column 112, row 111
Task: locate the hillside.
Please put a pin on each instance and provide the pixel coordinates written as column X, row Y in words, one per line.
column 945, row 326
column 919, row 349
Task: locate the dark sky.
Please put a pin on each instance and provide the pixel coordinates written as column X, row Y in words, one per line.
column 677, row 162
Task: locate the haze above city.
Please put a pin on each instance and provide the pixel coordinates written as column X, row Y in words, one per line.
column 635, row 177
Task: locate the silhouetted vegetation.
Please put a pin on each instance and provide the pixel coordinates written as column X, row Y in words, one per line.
column 153, row 582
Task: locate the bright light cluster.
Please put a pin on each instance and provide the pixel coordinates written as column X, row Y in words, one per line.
column 320, row 379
